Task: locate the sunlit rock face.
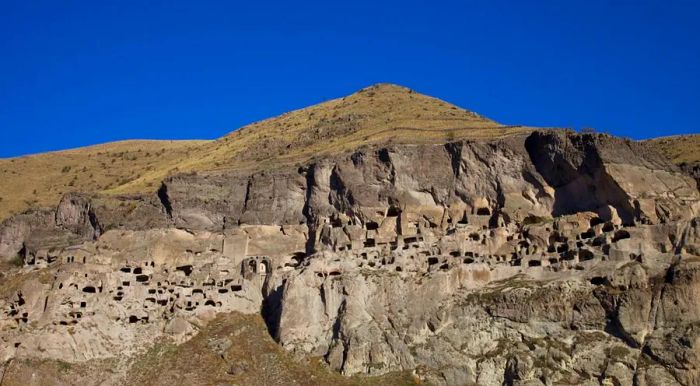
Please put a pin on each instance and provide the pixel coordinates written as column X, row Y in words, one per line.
column 548, row 258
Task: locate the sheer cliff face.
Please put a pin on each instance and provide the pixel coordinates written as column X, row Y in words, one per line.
column 543, row 174
column 541, row 258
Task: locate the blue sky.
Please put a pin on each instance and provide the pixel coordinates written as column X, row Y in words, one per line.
column 75, row 73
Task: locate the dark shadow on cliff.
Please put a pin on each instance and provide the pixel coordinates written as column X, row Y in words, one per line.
column 572, row 165
column 272, row 309
column 165, row 200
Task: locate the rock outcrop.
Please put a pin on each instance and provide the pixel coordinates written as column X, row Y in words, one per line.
column 547, row 258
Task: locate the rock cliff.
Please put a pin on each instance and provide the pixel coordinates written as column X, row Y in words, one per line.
column 538, row 257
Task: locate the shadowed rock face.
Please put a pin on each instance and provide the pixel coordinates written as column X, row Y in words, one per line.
column 536, row 259
column 544, row 174
column 692, row 169
column 75, row 214
column 574, row 168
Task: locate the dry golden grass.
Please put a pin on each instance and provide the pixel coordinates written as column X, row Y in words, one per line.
column 679, row 148
column 382, row 113
column 40, row 180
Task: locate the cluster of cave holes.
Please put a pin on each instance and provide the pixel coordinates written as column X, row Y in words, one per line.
column 331, row 273
column 392, row 211
column 16, row 310
column 71, row 259
column 567, row 256
column 166, row 294
column 558, row 244
column 138, row 273
column 30, row 259
column 562, row 249
column 432, row 255
column 371, row 243
column 559, row 247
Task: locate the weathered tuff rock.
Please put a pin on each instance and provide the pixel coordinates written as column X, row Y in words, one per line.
column 541, row 259
column 479, row 323
column 545, row 174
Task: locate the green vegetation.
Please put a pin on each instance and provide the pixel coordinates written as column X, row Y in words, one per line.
column 18, row 261
column 532, row 220
column 63, row 366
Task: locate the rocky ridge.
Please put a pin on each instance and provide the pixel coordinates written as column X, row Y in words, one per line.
column 541, row 257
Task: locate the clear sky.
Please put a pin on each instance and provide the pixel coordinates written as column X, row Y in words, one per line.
column 75, row 73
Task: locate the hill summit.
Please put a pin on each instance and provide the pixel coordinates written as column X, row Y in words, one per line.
column 378, row 114
column 381, row 238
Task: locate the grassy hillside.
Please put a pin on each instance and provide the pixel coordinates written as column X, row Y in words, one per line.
column 40, row 180
column 382, row 113
column 679, row 148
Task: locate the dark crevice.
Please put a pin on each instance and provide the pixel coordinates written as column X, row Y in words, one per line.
column 573, row 166
column 94, row 223
column 249, row 183
column 307, row 210
column 272, row 310
column 454, row 150
column 385, row 157
column 165, row 200
column 343, row 197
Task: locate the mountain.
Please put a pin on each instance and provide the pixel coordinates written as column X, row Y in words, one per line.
column 382, row 113
column 382, row 238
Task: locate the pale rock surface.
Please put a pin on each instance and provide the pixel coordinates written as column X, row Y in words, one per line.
column 541, row 259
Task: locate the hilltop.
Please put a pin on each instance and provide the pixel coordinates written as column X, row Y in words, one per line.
column 382, row 238
column 382, row 113
column 379, row 114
